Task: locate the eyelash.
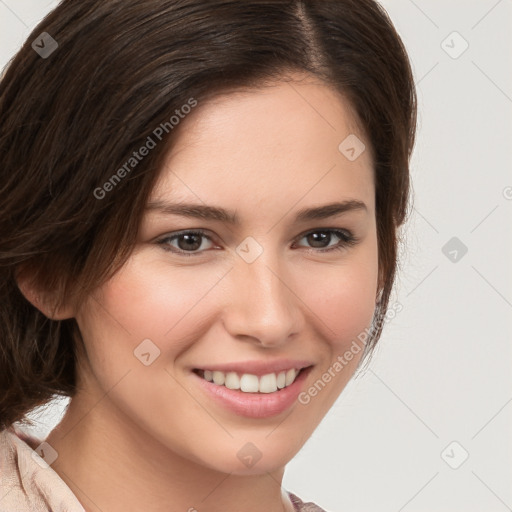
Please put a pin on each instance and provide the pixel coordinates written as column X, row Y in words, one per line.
column 347, row 240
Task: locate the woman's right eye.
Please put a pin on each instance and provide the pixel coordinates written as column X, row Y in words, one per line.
column 188, row 242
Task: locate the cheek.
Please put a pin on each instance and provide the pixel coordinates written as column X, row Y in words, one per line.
column 343, row 296
column 152, row 299
column 144, row 300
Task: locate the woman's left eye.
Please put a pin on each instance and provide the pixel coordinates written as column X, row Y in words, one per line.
column 190, row 241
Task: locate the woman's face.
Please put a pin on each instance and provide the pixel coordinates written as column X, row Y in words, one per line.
column 255, row 297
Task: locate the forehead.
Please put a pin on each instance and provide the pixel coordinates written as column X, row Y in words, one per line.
column 276, row 145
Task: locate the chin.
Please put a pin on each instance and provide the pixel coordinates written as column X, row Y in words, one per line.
column 248, row 457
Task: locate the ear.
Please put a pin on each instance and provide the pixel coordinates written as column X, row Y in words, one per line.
column 43, row 301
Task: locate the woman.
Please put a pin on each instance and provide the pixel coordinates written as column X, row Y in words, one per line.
column 199, row 212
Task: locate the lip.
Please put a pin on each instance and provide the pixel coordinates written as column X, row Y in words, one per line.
column 254, row 405
column 258, row 368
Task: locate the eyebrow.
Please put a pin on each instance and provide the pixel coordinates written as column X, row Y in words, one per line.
column 205, row 212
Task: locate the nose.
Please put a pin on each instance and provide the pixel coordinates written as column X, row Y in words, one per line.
column 262, row 306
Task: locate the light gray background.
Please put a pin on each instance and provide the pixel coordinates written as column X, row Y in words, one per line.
column 442, row 372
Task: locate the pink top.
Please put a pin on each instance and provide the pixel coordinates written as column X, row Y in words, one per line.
column 28, row 484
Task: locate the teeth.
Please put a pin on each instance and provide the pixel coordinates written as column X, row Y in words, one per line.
column 219, row 378
column 249, row 383
column 290, row 377
column 268, row 383
column 232, row 381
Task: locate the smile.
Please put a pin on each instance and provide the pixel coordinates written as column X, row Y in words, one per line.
column 250, row 383
column 263, row 394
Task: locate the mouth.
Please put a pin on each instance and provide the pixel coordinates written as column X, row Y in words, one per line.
column 251, row 395
column 249, row 382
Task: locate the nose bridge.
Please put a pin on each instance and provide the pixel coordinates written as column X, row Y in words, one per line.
column 262, row 306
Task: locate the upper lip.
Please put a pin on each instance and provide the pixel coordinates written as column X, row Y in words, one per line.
column 258, row 368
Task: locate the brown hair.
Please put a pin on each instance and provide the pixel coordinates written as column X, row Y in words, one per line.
column 72, row 118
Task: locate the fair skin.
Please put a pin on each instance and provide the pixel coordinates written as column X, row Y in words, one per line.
column 139, row 437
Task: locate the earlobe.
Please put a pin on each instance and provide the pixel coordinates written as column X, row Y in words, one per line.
column 40, row 301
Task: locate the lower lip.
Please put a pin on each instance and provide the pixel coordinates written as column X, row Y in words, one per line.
column 255, row 405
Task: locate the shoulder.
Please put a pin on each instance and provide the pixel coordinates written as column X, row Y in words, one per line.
column 27, row 483
column 300, row 506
